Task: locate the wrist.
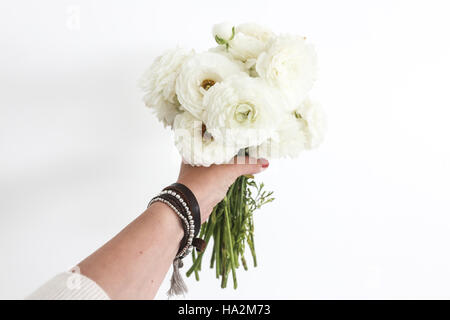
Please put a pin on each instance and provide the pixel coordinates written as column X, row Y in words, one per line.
column 180, row 199
column 205, row 197
column 169, row 221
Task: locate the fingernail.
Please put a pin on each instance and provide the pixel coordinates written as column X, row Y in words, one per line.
column 262, row 161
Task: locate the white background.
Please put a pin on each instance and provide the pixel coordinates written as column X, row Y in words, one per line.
column 365, row 216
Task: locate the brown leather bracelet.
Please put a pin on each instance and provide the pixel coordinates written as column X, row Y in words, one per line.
column 191, row 200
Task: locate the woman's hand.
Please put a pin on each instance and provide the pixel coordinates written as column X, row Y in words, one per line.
column 210, row 184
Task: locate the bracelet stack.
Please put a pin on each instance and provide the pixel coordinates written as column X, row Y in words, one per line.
column 183, row 202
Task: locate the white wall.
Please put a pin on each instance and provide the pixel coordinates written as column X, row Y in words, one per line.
column 365, row 216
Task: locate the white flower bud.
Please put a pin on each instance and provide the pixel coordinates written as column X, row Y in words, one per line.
column 223, row 31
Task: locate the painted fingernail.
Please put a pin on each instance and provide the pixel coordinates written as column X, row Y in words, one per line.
column 265, row 165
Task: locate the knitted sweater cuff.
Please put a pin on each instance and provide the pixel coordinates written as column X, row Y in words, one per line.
column 69, row 286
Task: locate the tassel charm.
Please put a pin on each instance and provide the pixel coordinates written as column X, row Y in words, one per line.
column 177, row 285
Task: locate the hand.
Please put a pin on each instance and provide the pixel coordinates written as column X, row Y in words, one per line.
column 210, row 184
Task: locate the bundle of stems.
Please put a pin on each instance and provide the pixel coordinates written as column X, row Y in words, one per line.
column 231, row 226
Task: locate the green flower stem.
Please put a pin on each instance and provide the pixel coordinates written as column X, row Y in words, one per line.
column 230, row 242
column 231, row 227
column 252, row 245
column 224, row 277
column 244, row 262
column 207, row 230
column 213, row 257
column 217, row 245
column 197, row 276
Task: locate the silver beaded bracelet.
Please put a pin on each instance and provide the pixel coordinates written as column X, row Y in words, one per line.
column 189, row 222
column 190, row 218
column 177, row 285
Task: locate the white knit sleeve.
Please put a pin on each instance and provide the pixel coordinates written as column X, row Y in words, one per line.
column 69, row 286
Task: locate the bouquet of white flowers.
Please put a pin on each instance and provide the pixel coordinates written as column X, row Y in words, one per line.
column 246, row 96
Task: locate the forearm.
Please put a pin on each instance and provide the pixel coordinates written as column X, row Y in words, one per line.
column 134, row 263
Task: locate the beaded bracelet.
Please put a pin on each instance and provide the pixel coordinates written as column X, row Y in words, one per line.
column 187, row 196
column 183, row 251
column 184, row 247
column 183, row 202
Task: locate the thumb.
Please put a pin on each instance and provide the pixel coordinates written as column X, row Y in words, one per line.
column 250, row 166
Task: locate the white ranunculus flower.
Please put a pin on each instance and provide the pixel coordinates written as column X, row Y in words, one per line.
column 196, row 145
column 158, row 84
column 313, row 117
column 242, row 110
column 289, row 64
column 256, row 31
column 223, row 31
column 248, row 41
column 198, row 74
column 299, row 130
column 287, row 141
